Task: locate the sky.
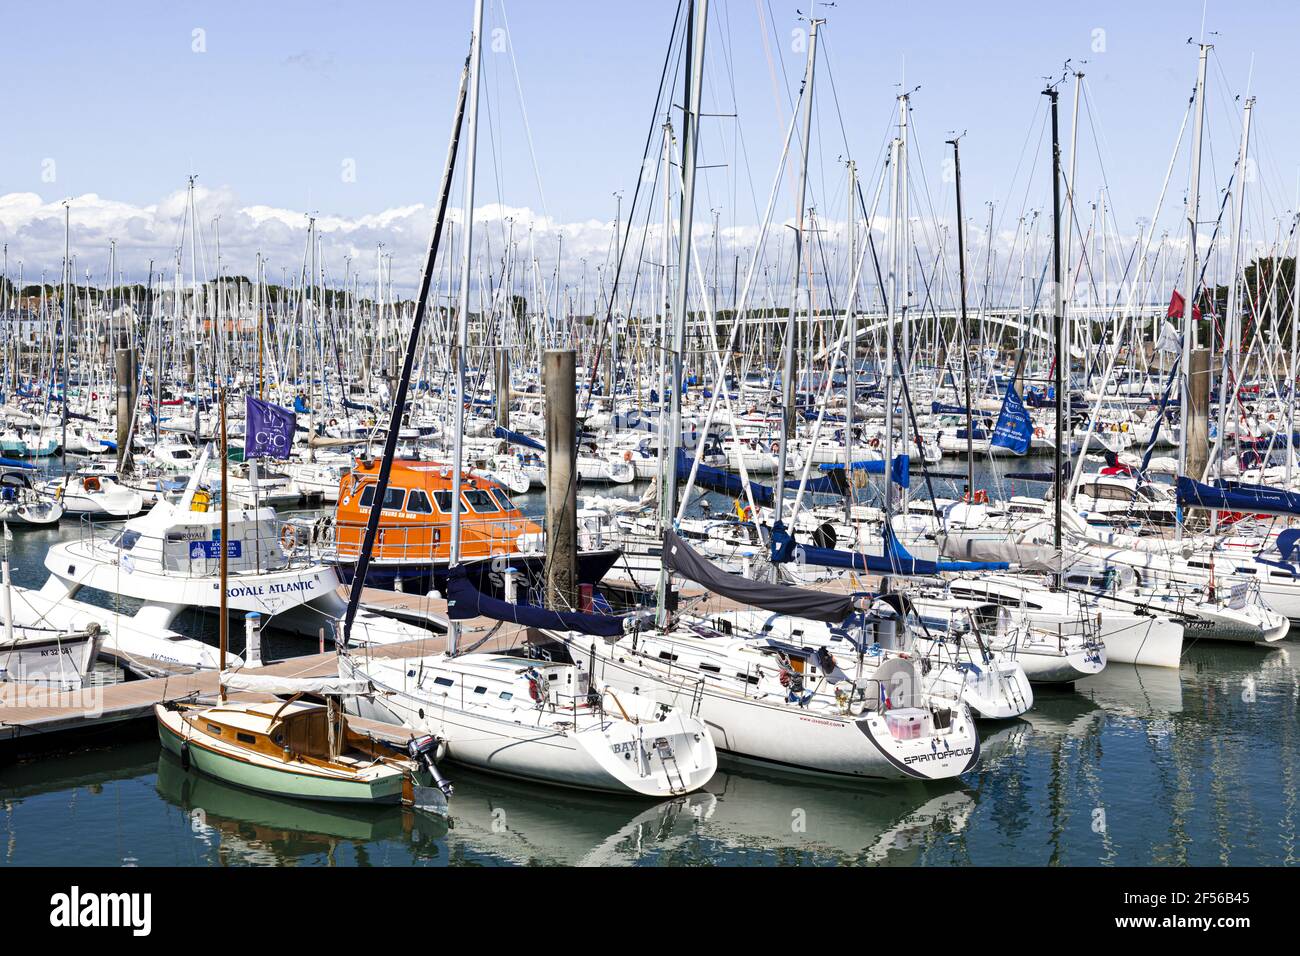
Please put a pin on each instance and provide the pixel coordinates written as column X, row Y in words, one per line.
column 343, row 111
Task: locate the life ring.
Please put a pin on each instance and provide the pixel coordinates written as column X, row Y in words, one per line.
column 288, row 537
column 776, row 448
column 1038, row 432
column 91, row 483
column 627, row 456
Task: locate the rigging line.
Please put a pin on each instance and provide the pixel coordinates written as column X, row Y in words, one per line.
column 645, row 153
column 1020, row 162
column 523, row 109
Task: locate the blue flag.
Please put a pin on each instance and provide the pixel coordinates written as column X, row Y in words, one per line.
column 1014, row 429
column 268, row 429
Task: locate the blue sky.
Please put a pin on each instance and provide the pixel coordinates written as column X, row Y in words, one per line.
column 284, row 97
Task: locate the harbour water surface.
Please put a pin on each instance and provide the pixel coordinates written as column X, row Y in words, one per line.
column 1135, row 766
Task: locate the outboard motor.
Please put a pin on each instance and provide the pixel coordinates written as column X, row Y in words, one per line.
column 427, row 750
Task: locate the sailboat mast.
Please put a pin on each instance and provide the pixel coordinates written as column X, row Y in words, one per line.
column 1231, row 332
column 965, row 324
column 851, row 375
column 223, row 623
column 1291, row 367
column 404, row 379
column 1058, row 309
column 788, row 374
column 462, row 311
column 698, row 27
column 1189, row 272
column 67, row 335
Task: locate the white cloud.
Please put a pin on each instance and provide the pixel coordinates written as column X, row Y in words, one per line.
column 33, row 229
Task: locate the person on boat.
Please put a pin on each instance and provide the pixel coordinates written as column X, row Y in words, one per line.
column 1115, row 467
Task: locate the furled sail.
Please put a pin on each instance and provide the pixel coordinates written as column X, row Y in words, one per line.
column 464, row 601
column 266, row 684
column 896, row 559
column 716, row 479
column 1253, row 499
column 781, row 598
column 516, row 438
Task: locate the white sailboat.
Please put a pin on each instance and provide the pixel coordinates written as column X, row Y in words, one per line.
column 520, row 711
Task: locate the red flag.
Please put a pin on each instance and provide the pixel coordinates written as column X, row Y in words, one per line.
column 1175, row 310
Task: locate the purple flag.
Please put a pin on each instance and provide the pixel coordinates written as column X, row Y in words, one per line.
column 268, row 429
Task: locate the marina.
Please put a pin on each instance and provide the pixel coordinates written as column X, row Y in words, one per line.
column 827, row 498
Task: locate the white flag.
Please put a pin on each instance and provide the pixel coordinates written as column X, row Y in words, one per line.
column 1169, row 340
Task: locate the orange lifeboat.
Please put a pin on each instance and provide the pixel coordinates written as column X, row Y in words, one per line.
column 415, row 524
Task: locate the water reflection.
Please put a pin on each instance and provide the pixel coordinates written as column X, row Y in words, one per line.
column 1134, row 766
column 246, row 828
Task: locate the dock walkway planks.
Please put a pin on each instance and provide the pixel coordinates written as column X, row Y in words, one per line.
column 30, row 711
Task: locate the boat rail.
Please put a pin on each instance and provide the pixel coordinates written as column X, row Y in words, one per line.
column 256, row 546
column 480, row 538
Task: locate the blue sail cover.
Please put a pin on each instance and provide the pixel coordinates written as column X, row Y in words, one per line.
column 900, row 473
column 896, row 560
column 939, row 408
column 464, row 601
column 1014, row 429
column 719, row 480
column 515, row 438
column 1255, row 499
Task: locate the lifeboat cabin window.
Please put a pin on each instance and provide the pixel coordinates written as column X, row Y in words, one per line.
column 418, row 503
column 393, row 498
column 480, row 501
column 501, row 499
column 443, row 498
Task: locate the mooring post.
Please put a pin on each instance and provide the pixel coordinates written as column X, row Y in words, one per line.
column 560, row 384
column 124, row 362
column 1197, row 418
column 503, row 386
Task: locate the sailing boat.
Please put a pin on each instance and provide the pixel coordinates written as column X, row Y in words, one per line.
column 291, row 748
column 526, row 708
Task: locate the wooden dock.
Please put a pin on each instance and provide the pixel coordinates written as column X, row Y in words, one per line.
column 33, row 718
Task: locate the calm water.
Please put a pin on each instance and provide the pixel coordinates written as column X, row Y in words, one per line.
column 1134, row 766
